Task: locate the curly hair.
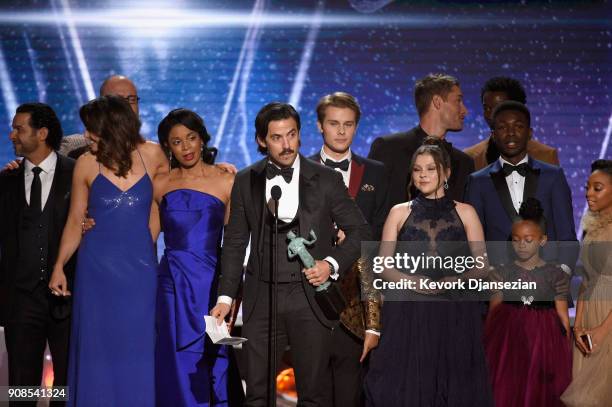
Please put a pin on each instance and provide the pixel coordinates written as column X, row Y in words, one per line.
column 531, row 210
column 602, row 165
column 509, row 86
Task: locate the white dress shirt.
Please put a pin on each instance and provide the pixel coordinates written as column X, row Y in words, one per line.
column 346, row 175
column 46, row 177
column 516, row 186
column 290, row 199
column 516, row 183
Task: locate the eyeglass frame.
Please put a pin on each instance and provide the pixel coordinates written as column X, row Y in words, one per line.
column 132, row 99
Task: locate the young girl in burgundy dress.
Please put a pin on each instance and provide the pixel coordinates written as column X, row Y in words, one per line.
column 527, row 331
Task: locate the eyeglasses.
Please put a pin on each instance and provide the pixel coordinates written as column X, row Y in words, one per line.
column 132, row 99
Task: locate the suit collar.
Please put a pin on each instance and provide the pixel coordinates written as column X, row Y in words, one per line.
column 495, row 166
column 260, row 166
column 358, row 159
column 308, row 168
column 420, row 133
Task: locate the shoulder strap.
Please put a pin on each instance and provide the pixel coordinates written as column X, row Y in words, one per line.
column 141, row 159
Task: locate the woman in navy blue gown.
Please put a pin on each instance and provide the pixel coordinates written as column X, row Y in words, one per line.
column 111, row 357
column 193, row 200
column 430, row 352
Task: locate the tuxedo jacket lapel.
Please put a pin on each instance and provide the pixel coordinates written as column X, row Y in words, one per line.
column 355, row 181
column 532, row 179
column 20, row 201
column 308, row 195
column 56, row 194
column 258, row 193
column 20, row 197
column 499, row 181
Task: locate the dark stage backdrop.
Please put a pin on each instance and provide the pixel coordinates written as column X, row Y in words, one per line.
column 225, row 59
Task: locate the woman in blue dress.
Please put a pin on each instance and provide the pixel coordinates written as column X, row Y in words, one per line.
column 193, row 199
column 111, row 357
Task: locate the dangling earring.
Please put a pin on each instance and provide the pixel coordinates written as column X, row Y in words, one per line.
column 170, row 157
column 445, row 184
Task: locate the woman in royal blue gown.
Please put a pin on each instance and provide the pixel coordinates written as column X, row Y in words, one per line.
column 193, row 200
column 111, row 357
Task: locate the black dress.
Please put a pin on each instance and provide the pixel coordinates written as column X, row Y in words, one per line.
column 430, row 352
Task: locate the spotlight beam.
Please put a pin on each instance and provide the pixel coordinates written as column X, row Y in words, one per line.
column 159, row 18
column 307, row 53
column 602, row 154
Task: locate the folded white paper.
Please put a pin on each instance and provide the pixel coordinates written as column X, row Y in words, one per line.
column 219, row 334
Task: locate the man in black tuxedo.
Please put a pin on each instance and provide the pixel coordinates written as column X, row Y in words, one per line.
column 313, row 198
column 439, row 103
column 338, row 116
column 34, row 203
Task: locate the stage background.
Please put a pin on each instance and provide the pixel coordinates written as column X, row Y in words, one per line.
column 225, row 59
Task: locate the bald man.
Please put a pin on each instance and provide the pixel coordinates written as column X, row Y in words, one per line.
column 118, row 85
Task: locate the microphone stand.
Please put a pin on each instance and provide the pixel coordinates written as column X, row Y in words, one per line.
column 276, row 194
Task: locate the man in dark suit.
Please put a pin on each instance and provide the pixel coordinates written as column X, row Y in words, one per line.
column 439, row 103
column 313, row 198
column 337, row 119
column 34, row 203
column 495, row 91
column 497, row 191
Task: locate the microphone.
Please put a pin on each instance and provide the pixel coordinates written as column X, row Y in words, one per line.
column 276, row 192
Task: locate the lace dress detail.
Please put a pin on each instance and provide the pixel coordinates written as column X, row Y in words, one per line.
column 430, row 352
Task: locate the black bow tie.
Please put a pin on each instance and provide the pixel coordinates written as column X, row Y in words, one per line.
column 343, row 165
column 522, row 169
column 273, row 171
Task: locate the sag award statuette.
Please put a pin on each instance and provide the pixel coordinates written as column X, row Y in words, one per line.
column 327, row 295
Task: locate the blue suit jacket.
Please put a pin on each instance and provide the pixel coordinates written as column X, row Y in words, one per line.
column 487, row 191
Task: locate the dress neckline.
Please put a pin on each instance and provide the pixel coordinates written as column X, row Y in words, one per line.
column 444, row 202
column 196, row 191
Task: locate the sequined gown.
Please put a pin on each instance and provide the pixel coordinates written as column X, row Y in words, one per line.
column 111, row 360
column 430, row 352
column 190, row 369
